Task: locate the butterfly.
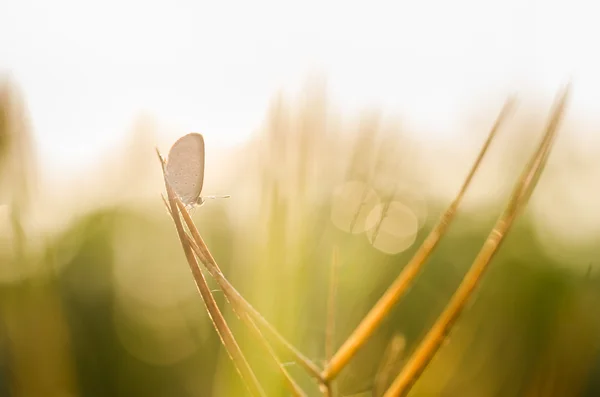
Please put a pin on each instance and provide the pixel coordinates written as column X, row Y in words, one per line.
column 185, row 170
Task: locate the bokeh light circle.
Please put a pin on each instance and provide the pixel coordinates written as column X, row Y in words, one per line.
column 395, row 228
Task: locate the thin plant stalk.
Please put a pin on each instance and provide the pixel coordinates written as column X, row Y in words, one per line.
column 390, row 359
column 327, row 388
column 245, row 317
column 330, row 326
column 292, row 385
column 235, row 298
column 223, row 330
column 382, row 308
column 522, row 192
column 294, row 388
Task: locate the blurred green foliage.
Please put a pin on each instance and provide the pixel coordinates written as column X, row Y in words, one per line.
column 106, row 306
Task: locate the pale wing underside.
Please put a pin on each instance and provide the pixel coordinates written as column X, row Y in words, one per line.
column 185, row 168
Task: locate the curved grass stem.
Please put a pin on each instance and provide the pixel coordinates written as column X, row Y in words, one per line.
column 223, row 330
column 521, row 193
column 382, row 308
column 235, row 298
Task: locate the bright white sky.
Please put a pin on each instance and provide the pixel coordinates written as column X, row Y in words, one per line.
column 88, row 68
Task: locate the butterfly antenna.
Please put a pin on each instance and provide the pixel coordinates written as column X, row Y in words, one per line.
column 216, row 197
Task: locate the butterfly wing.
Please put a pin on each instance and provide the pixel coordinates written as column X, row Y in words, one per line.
column 185, row 168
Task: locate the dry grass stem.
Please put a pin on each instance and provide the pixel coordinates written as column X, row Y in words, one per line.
column 390, row 359
column 382, row 308
column 235, row 298
column 523, row 189
column 223, row 330
column 290, row 382
column 330, row 327
column 294, row 388
column 327, row 388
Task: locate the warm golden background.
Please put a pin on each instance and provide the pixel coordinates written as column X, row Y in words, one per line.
column 306, row 109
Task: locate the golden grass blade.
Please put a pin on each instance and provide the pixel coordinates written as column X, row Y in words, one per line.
column 227, row 338
column 330, row 327
column 235, row 298
column 327, row 388
column 292, row 385
column 523, row 189
column 390, row 359
column 381, row 309
column 294, row 388
column 240, row 312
